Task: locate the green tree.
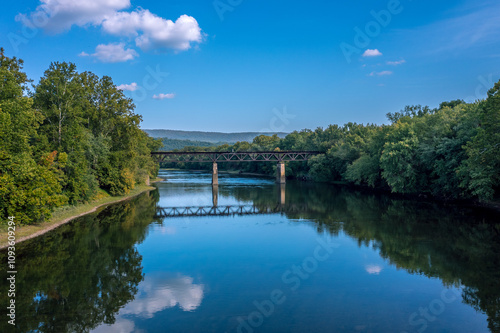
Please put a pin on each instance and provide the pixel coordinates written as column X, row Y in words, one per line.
column 480, row 173
column 398, row 161
column 28, row 190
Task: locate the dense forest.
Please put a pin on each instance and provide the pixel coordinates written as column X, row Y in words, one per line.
column 65, row 140
column 449, row 152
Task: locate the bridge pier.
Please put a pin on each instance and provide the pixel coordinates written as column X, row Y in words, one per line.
column 215, row 195
column 215, row 174
column 280, row 173
column 281, row 195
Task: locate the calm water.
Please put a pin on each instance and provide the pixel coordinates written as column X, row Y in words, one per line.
column 310, row 258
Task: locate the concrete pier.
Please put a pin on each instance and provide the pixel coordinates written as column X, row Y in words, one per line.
column 281, row 194
column 215, row 174
column 280, row 173
column 215, row 195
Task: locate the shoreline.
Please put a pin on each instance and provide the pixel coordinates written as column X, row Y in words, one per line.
column 60, row 215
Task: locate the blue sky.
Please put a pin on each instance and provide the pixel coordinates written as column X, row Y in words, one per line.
column 238, row 65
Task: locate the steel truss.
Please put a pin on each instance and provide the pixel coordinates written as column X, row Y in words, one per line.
column 243, row 156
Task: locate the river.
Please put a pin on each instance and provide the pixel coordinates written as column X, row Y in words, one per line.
column 303, row 257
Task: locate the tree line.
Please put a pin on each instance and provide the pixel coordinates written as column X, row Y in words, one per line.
column 450, row 152
column 65, row 140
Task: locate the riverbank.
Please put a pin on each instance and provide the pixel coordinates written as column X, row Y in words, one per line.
column 66, row 214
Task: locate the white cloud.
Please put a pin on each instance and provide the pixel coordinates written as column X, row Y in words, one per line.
column 474, row 25
column 154, row 32
column 383, row 73
column 149, row 30
column 395, row 63
column 115, row 52
column 56, row 16
column 130, row 87
column 372, row 53
column 163, row 96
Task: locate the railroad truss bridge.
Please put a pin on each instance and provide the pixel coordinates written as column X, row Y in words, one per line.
column 279, row 157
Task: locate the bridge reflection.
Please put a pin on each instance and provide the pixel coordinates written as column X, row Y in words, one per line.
column 232, row 210
column 279, row 206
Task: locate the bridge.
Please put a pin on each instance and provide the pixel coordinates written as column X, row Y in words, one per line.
column 280, row 157
column 231, row 210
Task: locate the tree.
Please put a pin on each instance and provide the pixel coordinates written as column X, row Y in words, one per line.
column 410, row 111
column 28, row 190
column 480, row 173
column 398, row 161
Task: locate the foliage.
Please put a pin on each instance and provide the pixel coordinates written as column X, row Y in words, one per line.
column 73, row 134
column 480, row 171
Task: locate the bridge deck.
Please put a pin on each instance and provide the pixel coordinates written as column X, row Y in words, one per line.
column 240, row 156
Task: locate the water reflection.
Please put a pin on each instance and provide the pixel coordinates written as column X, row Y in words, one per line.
column 157, row 293
column 80, row 275
column 373, row 269
column 123, row 270
column 458, row 245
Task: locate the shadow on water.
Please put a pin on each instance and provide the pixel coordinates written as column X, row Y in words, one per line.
column 78, row 277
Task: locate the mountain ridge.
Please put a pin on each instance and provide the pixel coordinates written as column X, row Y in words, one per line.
column 212, row 137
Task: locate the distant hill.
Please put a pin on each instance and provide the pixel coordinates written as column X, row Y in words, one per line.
column 212, row 137
column 171, row 144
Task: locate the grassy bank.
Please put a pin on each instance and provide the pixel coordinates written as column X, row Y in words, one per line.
column 65, row 214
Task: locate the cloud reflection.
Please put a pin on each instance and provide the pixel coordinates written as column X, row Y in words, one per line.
column 156, row 294
column 121, row 325
column 373, row 269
